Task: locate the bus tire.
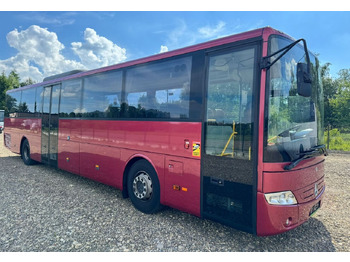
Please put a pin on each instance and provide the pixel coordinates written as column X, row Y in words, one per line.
column 143, row 187
column 25, row 153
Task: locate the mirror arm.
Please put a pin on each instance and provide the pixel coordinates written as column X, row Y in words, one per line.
column 266, row 64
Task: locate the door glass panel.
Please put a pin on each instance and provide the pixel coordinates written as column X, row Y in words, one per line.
column 45, row 129
column 49, row 131
column 54, row 123
column 229, row 105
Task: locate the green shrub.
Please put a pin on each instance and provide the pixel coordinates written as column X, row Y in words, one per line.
column 338, row 140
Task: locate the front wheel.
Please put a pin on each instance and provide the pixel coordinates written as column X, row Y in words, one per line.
column 25, row 153
column 144, row 188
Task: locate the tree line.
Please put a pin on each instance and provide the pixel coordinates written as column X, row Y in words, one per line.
column 336, row 95
column 336, row 98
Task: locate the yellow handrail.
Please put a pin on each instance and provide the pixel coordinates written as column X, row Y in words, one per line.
column 272, row 138
column 229, row 140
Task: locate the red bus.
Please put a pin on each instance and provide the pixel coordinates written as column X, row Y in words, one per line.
column 229, row 130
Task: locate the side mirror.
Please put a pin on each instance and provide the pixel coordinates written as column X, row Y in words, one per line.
column 304, row 80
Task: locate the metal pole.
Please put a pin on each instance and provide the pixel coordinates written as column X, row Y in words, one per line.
column 328, row 138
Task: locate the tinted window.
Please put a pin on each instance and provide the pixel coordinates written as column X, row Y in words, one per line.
column 102, row 95
column 13, row 101
column 28, row 105
column 159, row 90
column 71, row 99
column 46, row 101
column 38, row 100
column 55, row 99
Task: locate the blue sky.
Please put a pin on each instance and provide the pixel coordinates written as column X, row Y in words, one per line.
column 38, row 44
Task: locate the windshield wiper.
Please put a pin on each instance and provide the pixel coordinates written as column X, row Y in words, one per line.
column 314, row 151
column 286, row 132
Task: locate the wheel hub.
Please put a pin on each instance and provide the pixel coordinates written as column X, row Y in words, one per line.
column 142, row 186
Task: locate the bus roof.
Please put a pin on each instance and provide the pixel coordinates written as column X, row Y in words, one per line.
column 184, row 50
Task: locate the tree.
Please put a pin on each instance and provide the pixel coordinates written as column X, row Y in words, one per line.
column 7, row 83
column 340, row 103
column 3, row 88
column 13, row 80
column 329, row 91
column 27, row 82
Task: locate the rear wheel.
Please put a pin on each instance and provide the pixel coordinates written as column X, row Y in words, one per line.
column 144, row 188
column 25, row 153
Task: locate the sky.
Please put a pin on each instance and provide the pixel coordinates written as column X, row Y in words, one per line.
column 38, row 44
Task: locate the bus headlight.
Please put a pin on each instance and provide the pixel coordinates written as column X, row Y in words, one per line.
column 281, row 198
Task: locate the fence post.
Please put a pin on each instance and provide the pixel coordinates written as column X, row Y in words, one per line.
column 328, row 138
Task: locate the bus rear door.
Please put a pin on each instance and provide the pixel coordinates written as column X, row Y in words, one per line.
column 49, row 131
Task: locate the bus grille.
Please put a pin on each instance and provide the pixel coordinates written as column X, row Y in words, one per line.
column 310, row 192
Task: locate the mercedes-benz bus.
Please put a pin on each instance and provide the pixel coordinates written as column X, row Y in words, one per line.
column 229, row 130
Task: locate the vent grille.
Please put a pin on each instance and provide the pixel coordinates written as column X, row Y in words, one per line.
column 308, row 193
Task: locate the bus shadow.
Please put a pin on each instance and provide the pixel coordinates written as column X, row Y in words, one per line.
column 312, row 236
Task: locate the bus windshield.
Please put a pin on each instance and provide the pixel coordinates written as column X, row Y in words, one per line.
column 294, row 122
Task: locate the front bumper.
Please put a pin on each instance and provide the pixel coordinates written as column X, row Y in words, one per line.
column 272, row 219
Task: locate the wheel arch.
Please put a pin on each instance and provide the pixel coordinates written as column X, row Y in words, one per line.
column 132, row 160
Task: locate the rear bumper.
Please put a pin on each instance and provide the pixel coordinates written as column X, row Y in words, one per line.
column 271, row 219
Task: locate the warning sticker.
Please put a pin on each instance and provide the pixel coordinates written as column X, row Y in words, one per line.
column 196, row 149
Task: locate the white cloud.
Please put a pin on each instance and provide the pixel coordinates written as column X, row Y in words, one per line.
column 163, row 49
column 22, row 65
column 182, row 35
column 98, row 51
column 210, row 32
column 51, row 18
column 39, row 53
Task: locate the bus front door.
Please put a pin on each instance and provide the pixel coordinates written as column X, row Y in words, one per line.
column 228, row 169
column 49, row 130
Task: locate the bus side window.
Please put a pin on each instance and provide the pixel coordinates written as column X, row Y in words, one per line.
column 159, row 90
column 13, row 101
column 28, row 105
column 71, row 98
column 102, row 95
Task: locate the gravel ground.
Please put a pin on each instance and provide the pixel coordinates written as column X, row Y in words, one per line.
column 44, row 209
